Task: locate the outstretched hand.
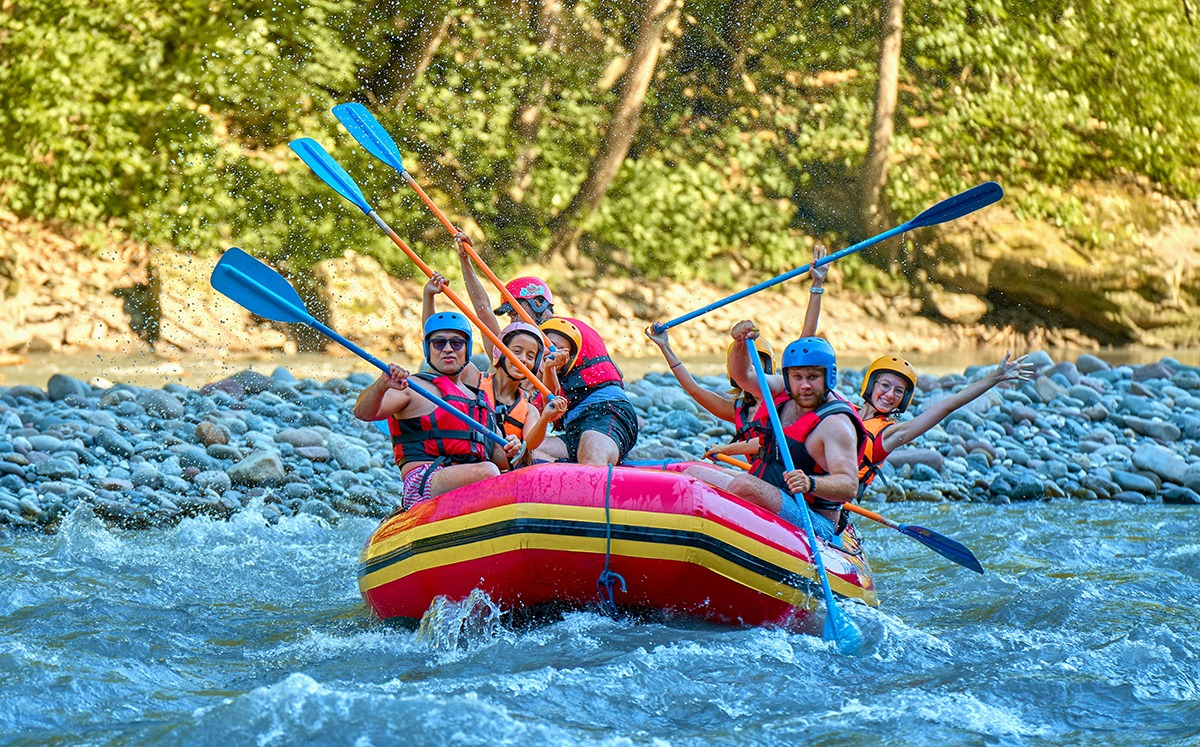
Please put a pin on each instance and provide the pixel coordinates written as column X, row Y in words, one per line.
column 1011, row 370
column 659, row 338
column 817, row 274
column 436, row 284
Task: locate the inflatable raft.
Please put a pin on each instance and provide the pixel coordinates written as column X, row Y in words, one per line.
column 545, row 535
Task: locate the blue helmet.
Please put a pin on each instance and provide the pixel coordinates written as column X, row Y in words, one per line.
column 446, row 320
column 812, row 351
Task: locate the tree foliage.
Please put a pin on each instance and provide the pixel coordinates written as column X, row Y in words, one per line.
column 170, row 121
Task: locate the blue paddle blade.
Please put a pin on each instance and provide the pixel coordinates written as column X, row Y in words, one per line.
column 330, row 171
column 257, row 288
column 943, row 546
column 961, row 204
column 842, row 629
column 364, row 128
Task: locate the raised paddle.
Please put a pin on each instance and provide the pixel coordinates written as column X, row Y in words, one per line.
column 260, row 290
column 364, row 128
column 838, row 628
column 941, row 544
column 332, row 173
column 948, row 209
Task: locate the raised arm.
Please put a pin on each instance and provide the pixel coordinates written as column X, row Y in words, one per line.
column 535, row 430
column 436, row 285
column 739, row 363
column 902, row 433
column 720, row 406
column 475, row 290
column 815, row 291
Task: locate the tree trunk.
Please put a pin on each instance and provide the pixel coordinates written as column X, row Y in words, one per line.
column 614, row 145
column 735, row 29
column 528, row 119
column 874, row 174
column 412, row 49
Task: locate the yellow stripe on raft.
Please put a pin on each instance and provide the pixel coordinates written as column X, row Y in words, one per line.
column 596, row 545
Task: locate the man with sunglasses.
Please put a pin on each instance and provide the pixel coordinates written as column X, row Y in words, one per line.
column 435, row 451
column 600, row 426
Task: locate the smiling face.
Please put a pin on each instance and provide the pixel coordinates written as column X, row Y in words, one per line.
column 525, row 347
column 888, row 392
column 443, row 356
column 806, row 384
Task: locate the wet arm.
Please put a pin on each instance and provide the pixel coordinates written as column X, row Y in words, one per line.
column 477, row 293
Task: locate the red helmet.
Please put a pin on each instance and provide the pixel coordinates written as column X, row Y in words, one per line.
column 527, row 287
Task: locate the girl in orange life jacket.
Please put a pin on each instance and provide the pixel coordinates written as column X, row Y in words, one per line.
column 822, row 433
column 738, row 409
column 888, row 387
column 435, row 451
column 513, row 406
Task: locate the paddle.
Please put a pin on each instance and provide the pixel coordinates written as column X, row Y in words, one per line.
column 941, row 544
column 364, row 128
column 948, row 209
column 332, row 173
column 260, row 290
column 840, row 629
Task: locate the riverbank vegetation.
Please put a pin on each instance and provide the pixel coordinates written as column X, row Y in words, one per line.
column 670, row 139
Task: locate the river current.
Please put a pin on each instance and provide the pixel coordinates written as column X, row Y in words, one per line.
column 1082, row 631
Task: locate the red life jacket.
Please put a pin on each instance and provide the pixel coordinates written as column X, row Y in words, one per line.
column 769, row 464
column 593, row 371
column 514, row 415
column 747, row 426
column 874, row 454
column 439, row 435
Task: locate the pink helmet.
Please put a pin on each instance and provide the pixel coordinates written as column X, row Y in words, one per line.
column 527, row 287
column 511, row 331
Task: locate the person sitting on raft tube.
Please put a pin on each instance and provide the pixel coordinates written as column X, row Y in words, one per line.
column 435, row 451
column 513, row 406
column 600, row 426
column 822, row 432
column 887, row 389
column 738, row 407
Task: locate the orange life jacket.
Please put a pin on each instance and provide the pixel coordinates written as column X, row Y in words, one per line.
column 439, row 435
column 871, row 461
column 513, row 416
column 769, row 466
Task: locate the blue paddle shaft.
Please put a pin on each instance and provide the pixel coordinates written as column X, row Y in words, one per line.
column 781, row 278
column 831, row 608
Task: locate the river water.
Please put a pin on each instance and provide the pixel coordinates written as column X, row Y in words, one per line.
column 1082, row 631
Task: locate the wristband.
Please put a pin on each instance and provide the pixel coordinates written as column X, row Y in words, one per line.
column 677, row 364
column 812, row 484
column 816, row 291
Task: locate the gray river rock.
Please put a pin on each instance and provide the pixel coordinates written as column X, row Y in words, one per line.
column 276, row 445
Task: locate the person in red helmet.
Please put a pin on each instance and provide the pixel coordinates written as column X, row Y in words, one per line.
column 600, row 426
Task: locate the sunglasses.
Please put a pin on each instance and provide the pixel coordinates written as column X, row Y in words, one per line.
column 538, row 304
column 454, row 343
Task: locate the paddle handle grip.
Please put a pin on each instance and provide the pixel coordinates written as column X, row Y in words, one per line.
column 466, row 310
column 731, row 461
column 466, row 419
column 660, row 327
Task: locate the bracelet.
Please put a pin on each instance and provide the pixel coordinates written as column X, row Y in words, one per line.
column 677, row 364
column 817, row 291
column 812, row 484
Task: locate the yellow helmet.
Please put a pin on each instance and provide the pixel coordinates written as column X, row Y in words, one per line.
column 569, row 331
column 766, row 353
column 891, row 364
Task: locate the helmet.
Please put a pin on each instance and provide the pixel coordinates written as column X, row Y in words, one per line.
column 765, row 352
column 812, row 351
column 446, row 320
column 568, row 330
column 527, row 287
column 891, row 364
column 513, row 330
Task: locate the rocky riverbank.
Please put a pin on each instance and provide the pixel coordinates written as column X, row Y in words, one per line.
column 280, row 446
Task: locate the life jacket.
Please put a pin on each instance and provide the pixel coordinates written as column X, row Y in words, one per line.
column 873, row 456
column 593, row 371
column 747, row 428
column 768, row 466
column 513, row 416
column 439, row 436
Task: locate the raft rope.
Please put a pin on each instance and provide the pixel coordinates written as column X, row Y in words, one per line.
column 608, row 578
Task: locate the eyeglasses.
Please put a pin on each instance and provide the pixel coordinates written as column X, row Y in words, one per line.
column 454, row 343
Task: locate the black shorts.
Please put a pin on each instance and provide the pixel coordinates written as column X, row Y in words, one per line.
column 615, row 419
